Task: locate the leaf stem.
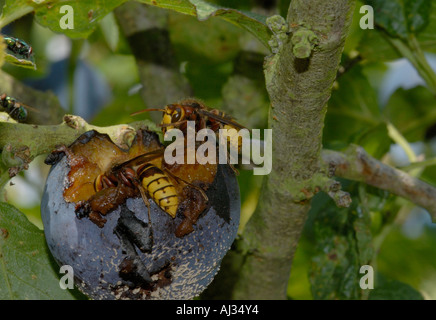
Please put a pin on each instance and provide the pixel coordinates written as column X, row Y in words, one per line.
column 420, row 164
column 398, row 138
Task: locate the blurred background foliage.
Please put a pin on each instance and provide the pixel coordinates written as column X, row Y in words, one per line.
column 97, row 78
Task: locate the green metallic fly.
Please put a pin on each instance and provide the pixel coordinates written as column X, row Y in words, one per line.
column 16, row 110
column 18, row 47
column 19, row 52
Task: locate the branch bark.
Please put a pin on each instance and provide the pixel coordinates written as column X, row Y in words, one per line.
column 355, row 164
column 21, row 143
column 299, row 90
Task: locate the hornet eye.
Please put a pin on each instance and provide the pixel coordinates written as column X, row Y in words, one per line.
column 177, row 115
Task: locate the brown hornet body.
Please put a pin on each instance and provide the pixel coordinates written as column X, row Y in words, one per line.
column 153, row 181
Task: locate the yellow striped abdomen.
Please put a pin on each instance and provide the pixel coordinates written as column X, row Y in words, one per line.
column 159, row 188
column 233, row 142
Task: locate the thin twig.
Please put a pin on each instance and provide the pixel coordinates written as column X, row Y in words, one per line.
column 355, row 164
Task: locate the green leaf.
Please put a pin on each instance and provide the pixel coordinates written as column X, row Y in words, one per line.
column 390, row 16
column 13, row 10
column 181, row 6
column 412, row 112
column 388, row 289
column 374, row 47
column 19, row 61
column 26, row 267
column 354, row 116
column 254, row 23
column 402, row 20
column 401, row 17
column 110, row 30
column 343, row 244
column 409, row 260
column 352, row 110
column 213, row 40
column 427, row 37
column 356, row 32
column 418, row 14
column 86, row 14
column 375, row 140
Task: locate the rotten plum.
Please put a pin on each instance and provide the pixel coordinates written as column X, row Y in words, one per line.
column 136, row 254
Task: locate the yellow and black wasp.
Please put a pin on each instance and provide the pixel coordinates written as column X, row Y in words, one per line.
column 102, row 177
column 149, row 179
column 177, row 116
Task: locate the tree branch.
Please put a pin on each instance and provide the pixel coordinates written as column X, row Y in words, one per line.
column 356, row 164
column 299, row 90
column 21, row 143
